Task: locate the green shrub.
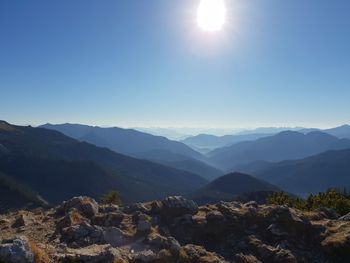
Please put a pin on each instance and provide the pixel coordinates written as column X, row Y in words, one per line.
column 334, row 199
column 112, row 197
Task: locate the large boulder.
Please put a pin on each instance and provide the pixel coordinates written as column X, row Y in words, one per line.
column 267, row 253
column 328, row 213
column 83, row 234
column 161, row 242
column 72, row 218
column 289, row 222
column 85, row 205
column 16, row 251
column 176, row 206
column 113, row 236
column 338, row 243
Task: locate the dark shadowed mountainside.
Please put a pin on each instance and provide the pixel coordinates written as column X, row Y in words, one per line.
column 181, row 162
column 231, row 187
column 14, row 195
column 310, row 175
column 46, row 159
column 287, row 145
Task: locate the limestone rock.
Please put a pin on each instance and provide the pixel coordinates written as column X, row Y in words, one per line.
column 113, row 236
column 91, row 254
column 21, row 220
column 242, row 258
column 82, row 235
column 111, row 208
column 175, row 206
column 345, row 217
column 145, row 256
column 215, row 216
column 72, row 218
column 328, row 213
column 162, row 242
column 108, row 220
column 199, row 254
column 85, row 205
column 144, row 224
column 16, row 251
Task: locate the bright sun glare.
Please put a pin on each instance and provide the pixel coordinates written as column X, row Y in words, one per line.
column 211, row 15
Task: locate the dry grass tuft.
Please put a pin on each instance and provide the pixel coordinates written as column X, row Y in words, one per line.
column 76, row 218
column 40, row 256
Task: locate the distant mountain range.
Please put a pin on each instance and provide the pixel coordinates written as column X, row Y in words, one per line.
column 171, row 134
column 141, row 145
column 207, row 142
column 310, row 175
column 57, row 166
column 288, row 145
column 233, row 186
column 125, row 141
column 40, row 164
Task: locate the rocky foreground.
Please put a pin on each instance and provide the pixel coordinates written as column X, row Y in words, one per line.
column 173, row 230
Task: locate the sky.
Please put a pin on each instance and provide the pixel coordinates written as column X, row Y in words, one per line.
column 146, row 63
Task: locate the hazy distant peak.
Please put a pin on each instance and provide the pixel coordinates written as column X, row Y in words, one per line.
column 126, row 141
column 289, row 132
column 320, row 133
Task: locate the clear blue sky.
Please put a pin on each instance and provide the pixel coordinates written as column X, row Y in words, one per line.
column 146, row 63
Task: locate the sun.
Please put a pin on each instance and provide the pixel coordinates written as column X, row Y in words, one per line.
column 211, row 15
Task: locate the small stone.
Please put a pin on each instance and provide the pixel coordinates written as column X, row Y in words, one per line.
column 109, row 208
column 345, row 217
column 214, row 216
column 273, row 229
column 251, row 204
column 61, row 248
column 4, row 221
column 144, row 226
column 20, row 221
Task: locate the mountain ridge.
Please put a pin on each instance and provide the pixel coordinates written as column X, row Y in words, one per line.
column 313, row 174
column 47, row 147
column 233, row 186
column 282, row 146
column 126, row 141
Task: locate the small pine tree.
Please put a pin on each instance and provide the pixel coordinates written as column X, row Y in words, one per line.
column 112, row 197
